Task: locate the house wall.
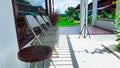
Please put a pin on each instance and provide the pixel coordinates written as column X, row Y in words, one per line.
column 8, row 39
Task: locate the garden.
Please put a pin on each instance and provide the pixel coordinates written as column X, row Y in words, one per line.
column 70, row 18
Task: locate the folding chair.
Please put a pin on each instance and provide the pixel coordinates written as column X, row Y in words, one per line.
column 49, row 31
column 45, row 26
column 32, row 23
column 48, row 34
column 47, row 20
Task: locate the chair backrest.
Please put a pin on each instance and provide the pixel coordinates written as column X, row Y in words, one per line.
column 32, row 22
column 42, row 21
column 46, row 19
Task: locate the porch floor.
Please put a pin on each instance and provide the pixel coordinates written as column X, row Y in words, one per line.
column 77, row 52
column 90, row 54
column 81, row 52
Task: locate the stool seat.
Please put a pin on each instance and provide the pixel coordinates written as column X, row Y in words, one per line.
column 34, row 53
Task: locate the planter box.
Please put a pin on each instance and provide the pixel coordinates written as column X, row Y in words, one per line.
column 104, row 23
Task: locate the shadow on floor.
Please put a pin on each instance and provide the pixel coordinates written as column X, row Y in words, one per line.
column 100, row 51
column 95, row 51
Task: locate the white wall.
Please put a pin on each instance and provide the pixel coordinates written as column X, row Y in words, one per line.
column 8, row 39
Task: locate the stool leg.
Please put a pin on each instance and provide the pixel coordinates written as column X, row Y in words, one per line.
column 57, row 45
column 52, row 63
column 44, row 63
column 34, row 65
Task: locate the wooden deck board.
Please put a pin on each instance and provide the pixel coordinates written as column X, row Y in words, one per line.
column 76, row 30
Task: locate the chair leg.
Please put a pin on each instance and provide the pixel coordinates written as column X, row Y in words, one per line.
column 56, row 52
column 57, row 45
column 44, row 63
column 52, row 63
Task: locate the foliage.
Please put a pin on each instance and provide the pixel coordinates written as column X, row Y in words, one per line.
column 109, row 15
column 90, row 16
column 89, row 20
column 54, row 18
column 113, row 13
column 118, row 48
column 63, row 15
column 63, row 22
column 117, row 29
column 117, row 32
column 71, row 13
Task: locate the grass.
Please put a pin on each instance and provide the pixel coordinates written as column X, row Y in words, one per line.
column 64, row 22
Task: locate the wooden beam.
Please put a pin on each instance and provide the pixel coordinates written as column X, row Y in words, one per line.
column 53, row 5
column 50, row 7
column 46, row 5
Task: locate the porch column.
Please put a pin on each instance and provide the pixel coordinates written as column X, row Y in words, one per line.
column 83, row 16
column 53, row 5
column 94, row 11
column 46, row 6
column 50, row 7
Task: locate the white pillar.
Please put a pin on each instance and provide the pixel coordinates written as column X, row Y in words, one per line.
column 86, row 9
column 94, row 11
column 8, row 38
column 83, row 15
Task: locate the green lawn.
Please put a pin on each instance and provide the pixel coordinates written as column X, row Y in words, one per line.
column 64, row 22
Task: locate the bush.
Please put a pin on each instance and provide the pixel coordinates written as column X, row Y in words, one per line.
column 63, row 15
column 118, row 48
column 117, row 27
column 89, row 20
column 54, row 18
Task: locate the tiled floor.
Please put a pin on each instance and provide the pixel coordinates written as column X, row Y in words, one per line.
column 90, row 54
column 85, row 53
column 64, row 60
column 77, row 52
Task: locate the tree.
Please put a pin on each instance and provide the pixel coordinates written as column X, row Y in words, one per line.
column 71, row 13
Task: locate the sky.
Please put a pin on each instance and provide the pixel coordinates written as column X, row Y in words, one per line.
column 59, row 5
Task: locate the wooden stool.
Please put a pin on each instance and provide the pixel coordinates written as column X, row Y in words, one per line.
column 35, row 53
